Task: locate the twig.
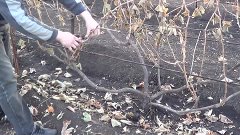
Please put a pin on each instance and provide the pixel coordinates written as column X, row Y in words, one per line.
column 195, row 48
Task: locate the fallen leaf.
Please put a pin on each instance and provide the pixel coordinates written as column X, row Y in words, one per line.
column 32, row 70
column 114, row 105
column 115, row 123
column 208, row 113
column 71, row 109
column 210, row 98
column 94, row 103
column 65, row 129
column 222, row 59
column 196, row 13
column 25, row 88
column 50, row 109
column 139, row 132
column 201, row 9
column 128, row 100
column 21, row 43
column 64, row 97
column 67, row 75
column 101, row 110
column 186, row 12
column 105, row 118
column 44, row 77
column 126, row 130
column 24, row 73
column 60, row 115
column 33, row 110
column 227, row 80
column 59, row 71
column 222, row 132
column 118, row 115
column 81, row 90
column 140, row 85
column 127, row 122
column 226, row 25
column 162, row 9
column 43, row 62
column 225, row 119
column 86, row 117
column 108, row 96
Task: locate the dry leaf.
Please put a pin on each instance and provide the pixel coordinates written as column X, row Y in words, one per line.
column 222, row 132
column 50, row 109
column 115, row 123
column 186, row 12
column 105, row 118
column 64, row 97
column 108, row 96
column 126, row 130
column 32, row 70
column 216, row 19
column 60, row 115
column 43, row 62
column 217, row 33
column 24, row 73
column 162, row 9
column 222, row 59
column 226, row 25
column 127, row 122
column 21, row 43
column 225, row 119
column 33, row 110
column 86, row 117
column 196, row 13
column 118, row 115
column 24, row 90
column 71, row 109
column 65, row 130
column 94, row 103
column 59, row 71
column 44, row 77
column 227, row 80
column 67, row 75
column 202, row 10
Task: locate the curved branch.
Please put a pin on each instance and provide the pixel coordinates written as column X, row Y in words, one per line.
column 178, row 112
column 162, row 92
column 91, row 83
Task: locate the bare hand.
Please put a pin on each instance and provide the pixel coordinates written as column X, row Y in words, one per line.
column 93, row 28
column 68, row 40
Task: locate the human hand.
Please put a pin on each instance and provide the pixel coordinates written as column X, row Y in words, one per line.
column 68, row 40
column 93, row 28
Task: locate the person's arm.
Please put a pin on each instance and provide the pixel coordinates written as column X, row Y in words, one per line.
column 77, row 8
column 14, row 14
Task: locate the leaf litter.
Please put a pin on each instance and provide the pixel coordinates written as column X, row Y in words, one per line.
column 113, row 112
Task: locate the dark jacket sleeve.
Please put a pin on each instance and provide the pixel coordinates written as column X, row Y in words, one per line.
column 74, row 6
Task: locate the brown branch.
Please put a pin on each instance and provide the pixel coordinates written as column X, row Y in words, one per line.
column 178, row 112
column 145, row 70
column 91, row 83
column 162, row 92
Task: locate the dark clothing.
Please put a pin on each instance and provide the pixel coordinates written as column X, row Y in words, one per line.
column 13, row 13
column 1, row 18
column 10, row 101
